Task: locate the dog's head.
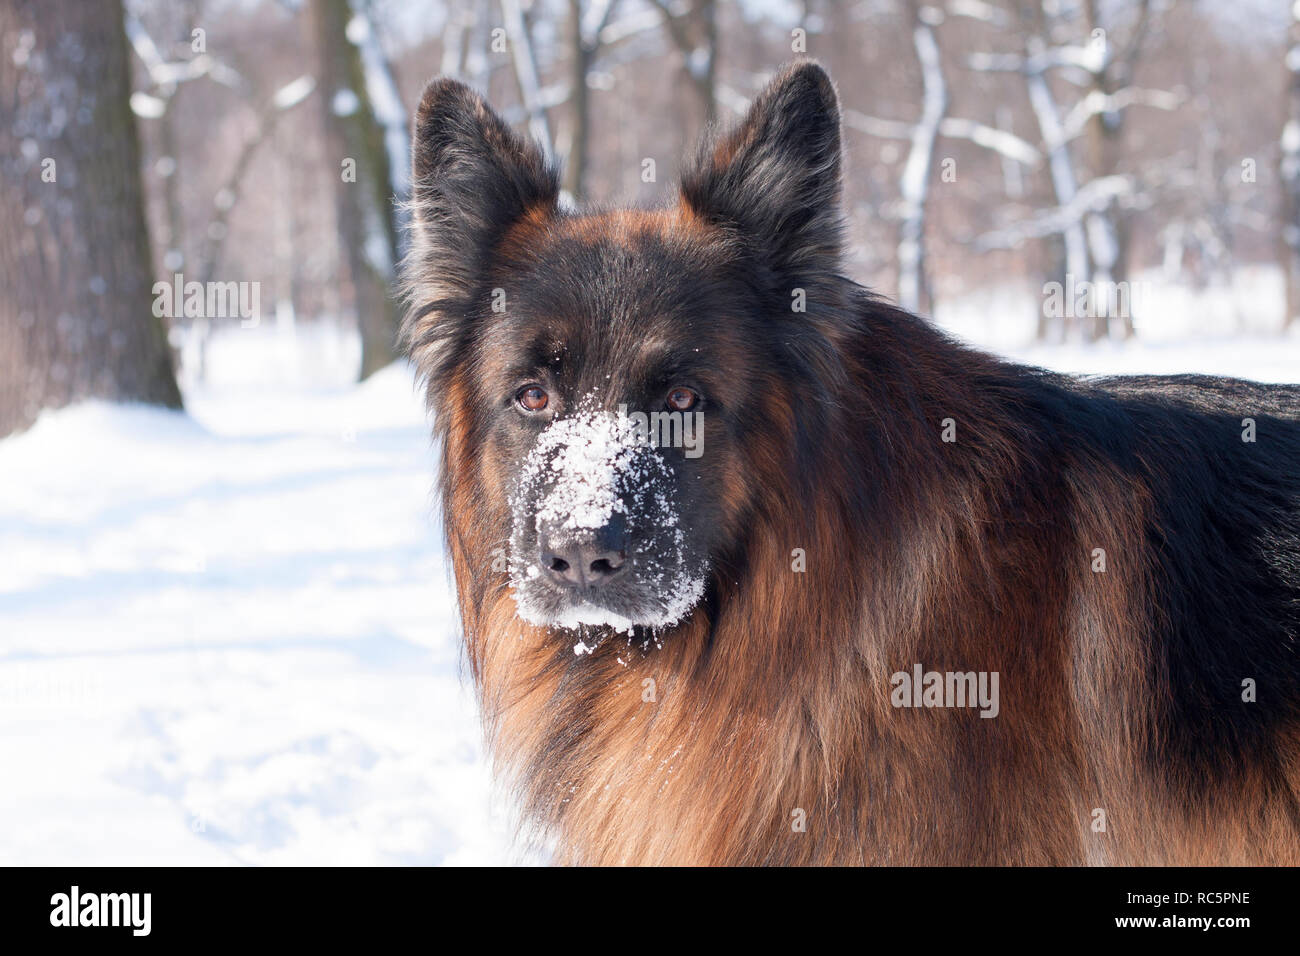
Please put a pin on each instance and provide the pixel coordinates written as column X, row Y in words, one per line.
column 617, row 391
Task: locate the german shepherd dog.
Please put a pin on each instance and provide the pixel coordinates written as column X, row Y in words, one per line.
column 702, row 650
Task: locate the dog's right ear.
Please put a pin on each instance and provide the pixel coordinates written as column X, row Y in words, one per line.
column 775, row 178
column 474, row 177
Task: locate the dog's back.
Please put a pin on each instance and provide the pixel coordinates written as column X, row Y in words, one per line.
column 1220, row 459
column 1125, row 552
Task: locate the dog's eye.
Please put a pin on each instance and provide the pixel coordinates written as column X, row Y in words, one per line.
column 682, row 399
column 533, row 398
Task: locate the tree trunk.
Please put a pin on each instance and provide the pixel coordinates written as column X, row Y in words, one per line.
column 526, row 75
column 706, row 77
column 1078, row 267
column 1110, row 227
column 575, row 171
column 364, row 214
column 76, row 318
column 913, row 282
column 695, row 34
column 1103, row 146
column 1289, row 174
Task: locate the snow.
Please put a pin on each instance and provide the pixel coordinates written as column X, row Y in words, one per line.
column 293, row 92
column 146, row 106
column 345, row 102
column 227, row 635
column 585, row 456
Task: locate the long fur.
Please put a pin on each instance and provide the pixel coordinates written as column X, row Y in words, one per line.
column 1121, row 691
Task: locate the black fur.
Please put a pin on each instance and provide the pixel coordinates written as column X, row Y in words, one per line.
column 775, row 180
column 473, row 177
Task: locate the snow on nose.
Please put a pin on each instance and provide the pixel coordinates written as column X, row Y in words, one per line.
column 589, row 462
column 586, row 474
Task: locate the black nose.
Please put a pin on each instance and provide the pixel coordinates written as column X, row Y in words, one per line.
column 582, row 564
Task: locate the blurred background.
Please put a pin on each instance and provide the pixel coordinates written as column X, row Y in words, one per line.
column 225, row 631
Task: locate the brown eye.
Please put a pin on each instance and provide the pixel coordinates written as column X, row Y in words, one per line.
column 532, row 399
column 681, row 399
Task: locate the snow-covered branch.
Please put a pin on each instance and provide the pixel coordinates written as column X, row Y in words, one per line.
column 1094, row 196
column 1087, row 58
column 385, row 101
column 595, row 19
column 634, row 24
column 1000, row 141
column 977, row 10
column 525, row 63
column 875, row 126
column 1096, row 103
column 915, row 182
column 165, row 76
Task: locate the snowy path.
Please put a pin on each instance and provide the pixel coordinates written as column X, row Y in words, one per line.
column 226, row 636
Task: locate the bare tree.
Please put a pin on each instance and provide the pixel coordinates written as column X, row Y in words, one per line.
column 923, row 134
column 1091, row 197
column 693, row 28
column 1289, row 174
column 76, row 317
column 913, row 287
column 1110, row 91
column 365, row 216
column 228, row 194
column 524, row 59
column 587, row 19
column 165, row 78
column 157, row 100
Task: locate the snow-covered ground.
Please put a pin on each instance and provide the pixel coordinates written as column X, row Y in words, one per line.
column 226, row 635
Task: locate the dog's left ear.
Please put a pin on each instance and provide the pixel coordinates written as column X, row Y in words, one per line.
column 474, row 178
column 776, row 177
